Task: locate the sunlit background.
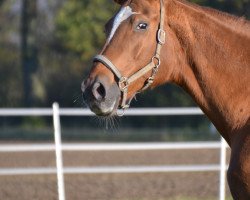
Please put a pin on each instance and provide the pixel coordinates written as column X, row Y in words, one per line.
column 46, row 50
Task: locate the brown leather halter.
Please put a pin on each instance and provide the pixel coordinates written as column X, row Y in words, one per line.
column 124, row 82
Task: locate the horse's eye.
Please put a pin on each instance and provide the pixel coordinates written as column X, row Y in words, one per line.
column 142, row 26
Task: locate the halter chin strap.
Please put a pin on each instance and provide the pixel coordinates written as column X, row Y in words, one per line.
column 124, row 82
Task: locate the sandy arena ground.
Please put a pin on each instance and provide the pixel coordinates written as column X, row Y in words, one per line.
column 148, row 186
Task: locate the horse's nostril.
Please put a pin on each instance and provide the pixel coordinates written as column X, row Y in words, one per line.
column 99, row 91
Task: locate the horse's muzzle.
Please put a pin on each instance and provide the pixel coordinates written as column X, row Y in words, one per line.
column 101, row 97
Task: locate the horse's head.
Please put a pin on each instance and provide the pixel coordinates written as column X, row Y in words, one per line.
column 130, row 57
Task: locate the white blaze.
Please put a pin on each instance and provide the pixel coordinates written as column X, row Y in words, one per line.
column 121, row 16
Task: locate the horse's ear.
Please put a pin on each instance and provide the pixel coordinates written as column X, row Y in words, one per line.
column 120, row 1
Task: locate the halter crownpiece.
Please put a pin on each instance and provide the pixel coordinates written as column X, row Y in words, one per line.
column 124, row 82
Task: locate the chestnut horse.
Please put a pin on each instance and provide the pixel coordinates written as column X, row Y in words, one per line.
column 204, row 51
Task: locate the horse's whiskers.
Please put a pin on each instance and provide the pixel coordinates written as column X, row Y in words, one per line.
column 107, row 122
column 77, row 99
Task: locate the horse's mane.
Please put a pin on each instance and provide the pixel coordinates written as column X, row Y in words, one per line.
column 235, row 22
column 238, row 24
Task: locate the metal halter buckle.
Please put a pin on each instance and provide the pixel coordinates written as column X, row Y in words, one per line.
column 123, row 83
column 161, row 36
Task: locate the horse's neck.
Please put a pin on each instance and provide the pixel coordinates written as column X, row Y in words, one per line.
column 216, row 70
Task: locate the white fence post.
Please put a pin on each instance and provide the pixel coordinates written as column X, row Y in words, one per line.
column 223, row 156
column 58, row 145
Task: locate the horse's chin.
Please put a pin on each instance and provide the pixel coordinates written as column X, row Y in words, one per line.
column 103, row 110
column 101, row 113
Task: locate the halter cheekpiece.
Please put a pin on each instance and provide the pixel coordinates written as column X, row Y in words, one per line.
column 124, row 82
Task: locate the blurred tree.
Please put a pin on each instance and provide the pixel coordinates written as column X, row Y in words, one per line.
column 29, row 60
column 236, row 7
column 80, row 25
column 1, row 2
column 77, row 36
column 10, row 78
column 10, row 72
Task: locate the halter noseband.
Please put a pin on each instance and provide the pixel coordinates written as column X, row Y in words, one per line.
column 124, row 82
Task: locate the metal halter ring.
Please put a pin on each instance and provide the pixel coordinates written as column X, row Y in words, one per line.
column 158, row 61
column 123, row 83
column 120, row 112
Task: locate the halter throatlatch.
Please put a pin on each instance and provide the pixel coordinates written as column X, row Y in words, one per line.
column 124, row 82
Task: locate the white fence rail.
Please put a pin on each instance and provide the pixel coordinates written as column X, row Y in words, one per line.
column 87, row 112
column 110, row 146
column 58, row 147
